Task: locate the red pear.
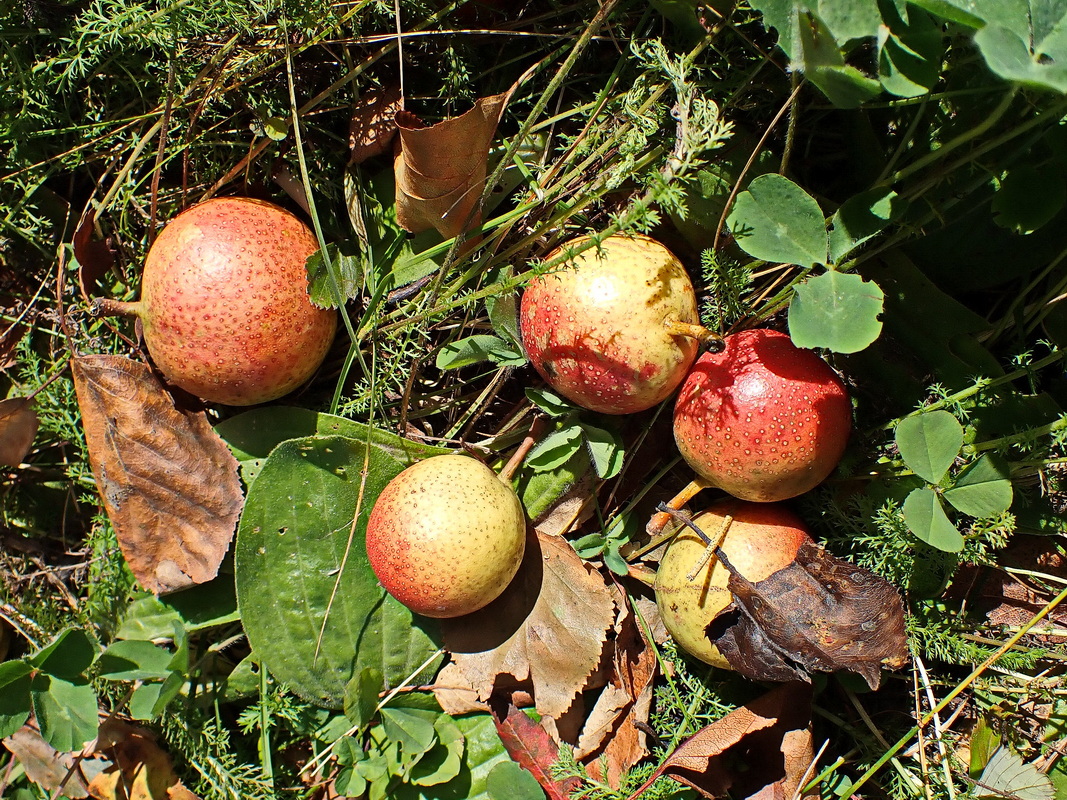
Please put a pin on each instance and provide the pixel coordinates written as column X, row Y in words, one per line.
column 762, row 420
column 613, row 330
column 224, row 302
column 446, row 536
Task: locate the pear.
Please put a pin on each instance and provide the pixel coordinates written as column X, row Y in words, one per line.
column 691, row 584
column 224, row 305
column 446, row 536
column 616, row 328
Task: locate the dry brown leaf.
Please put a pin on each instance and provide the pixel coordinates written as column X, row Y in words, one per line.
column 168, row 482
column 140, row 770
column 46, row 766
column 18, row 426
column 756, row 752
column 549, row 626
column 94, row 256
column 614, row 728
column 440, row 170
column 820, row 613
column 373, row 124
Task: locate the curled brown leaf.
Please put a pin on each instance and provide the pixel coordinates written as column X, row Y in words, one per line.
column 168, row 482
column 373, row 124
column 820, row 613
column 18, row 426
column 440, row 169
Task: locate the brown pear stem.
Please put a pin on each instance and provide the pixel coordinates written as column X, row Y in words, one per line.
column 106, row 307
column 534, row 435
column 707, row 339
column 661, row 518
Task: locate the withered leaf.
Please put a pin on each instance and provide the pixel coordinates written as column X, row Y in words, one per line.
column 168, row 482
column 18, row 426
column 94, row 256
column 373, row 123
column 820, row 613
column 140, row 769
column 530, row 746
column 440, row 170
column 47, row 767
column 549, row 626
column 760, row 750
column 614, row 727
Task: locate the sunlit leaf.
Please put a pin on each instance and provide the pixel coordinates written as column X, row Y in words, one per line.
column 65, row 710
column 926, row 518
column 836, row 310
column 861, row 217
column 508, row 781
column 982, row 489
column 336, row 275
column 776, row 220
column 605, row 449
column 555, row 449
column 1007, row 775
column 476, row 349
column 929, row 443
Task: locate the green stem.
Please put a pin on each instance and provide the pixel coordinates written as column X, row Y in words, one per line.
column 1007, row 441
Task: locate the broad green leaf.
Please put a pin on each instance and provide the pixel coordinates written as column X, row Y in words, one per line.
column 198, row 607
column 836, row 310
column 929, row 443
column 605, row 450
column 613, row 559
column 982, row 489
column 822, row 63
column 555, row 450
column 952, row 10
column 482, row 752
column 861, row 217
column 253, row 434
column 301, row 539
column 14, row 696
column 350, row 783
column 776, row 220
column 476, row 349
column 67, row 656
column 335, row 277
column 1028, row 198
column 849, row 19
column 590, row 546
column 444, row 760
column 783, row 17
column 925, row 517
column 1007, row 775
column 65, row 710
column 412, row 728
column 508, row 781
column 1009, row 55
column 550, row 402
column 361, row 695
column 134, row 660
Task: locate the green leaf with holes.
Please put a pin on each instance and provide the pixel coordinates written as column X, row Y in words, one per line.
column 836, row 310
column 925, row 517
column 929, row 443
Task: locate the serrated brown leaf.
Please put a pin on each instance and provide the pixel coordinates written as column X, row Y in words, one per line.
column 819, row 614
column 373, row 124
column 530, row 746
column 168, row 482
column 758, row 751
column 18, row 426
column 613, row 729
column 440, row 170
column 549, row 626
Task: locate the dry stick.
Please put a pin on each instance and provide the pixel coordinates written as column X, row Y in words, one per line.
column 899, row 745
column 710, row 548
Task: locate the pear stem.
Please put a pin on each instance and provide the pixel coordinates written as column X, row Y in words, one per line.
column 707, row 339
column 661, row 518
column 534, row 435
column 106, row 307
